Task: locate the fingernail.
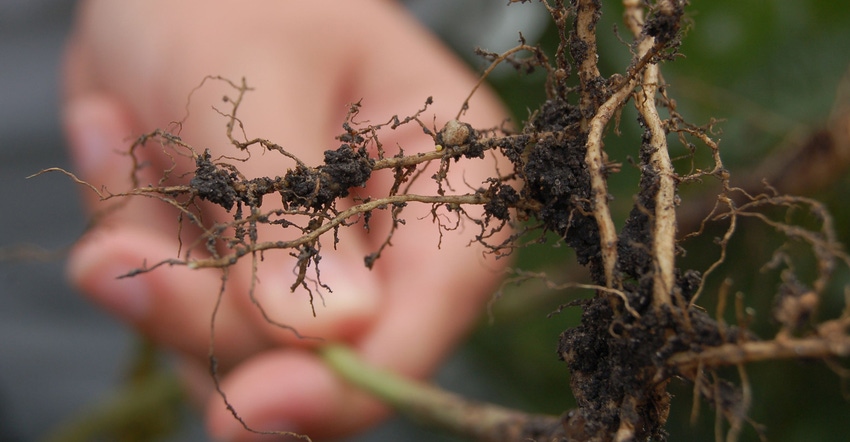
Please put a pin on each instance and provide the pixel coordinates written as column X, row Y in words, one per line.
column 128, row 298
column 91, row 135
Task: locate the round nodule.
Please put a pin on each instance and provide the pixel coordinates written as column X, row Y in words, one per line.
column 455, row 133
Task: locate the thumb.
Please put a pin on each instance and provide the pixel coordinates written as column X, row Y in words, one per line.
column 173, row 305
column 332, row 298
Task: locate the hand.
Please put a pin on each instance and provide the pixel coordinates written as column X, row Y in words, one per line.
column 130, row 66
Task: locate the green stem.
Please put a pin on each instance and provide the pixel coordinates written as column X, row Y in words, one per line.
column 438, row 408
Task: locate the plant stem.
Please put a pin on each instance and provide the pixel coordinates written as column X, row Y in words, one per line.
column 438, row 408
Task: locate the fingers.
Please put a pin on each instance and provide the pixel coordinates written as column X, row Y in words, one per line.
column 432, row 300
column 144, row 231
column 429, row 296
column 109, row 65
column 164, row 304
column 403, row 315
column 171, row 305
column 289, row 390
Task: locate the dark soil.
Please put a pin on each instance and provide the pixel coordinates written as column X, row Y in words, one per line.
column 316, row 188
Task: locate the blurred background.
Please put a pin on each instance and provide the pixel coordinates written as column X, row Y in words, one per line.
column 771, row 70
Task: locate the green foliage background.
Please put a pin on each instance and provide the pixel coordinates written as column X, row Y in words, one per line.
column 770, row 69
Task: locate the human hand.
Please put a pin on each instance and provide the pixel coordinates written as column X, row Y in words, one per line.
column 130, row 66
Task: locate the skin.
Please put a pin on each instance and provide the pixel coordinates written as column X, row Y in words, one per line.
column 129, row 68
